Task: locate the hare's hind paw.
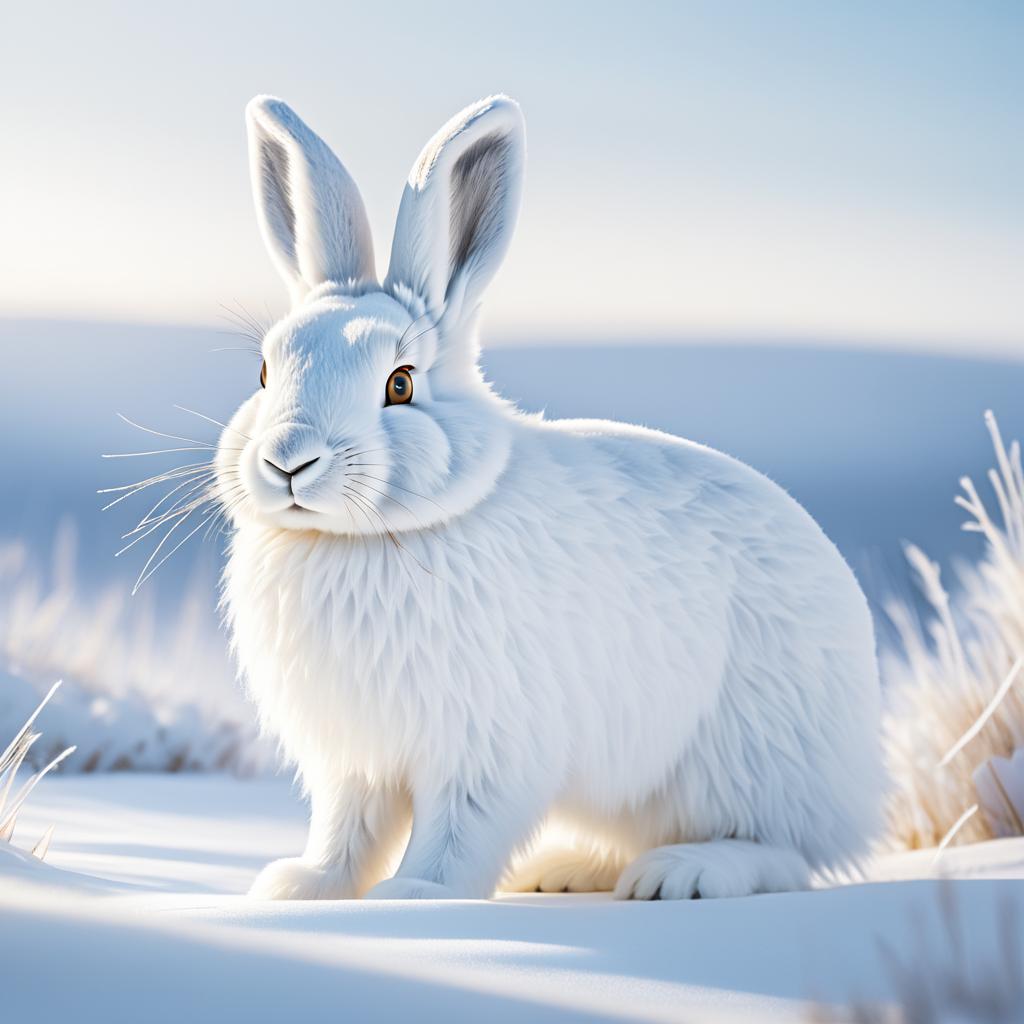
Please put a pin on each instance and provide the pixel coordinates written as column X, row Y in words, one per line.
column 564, row 869
column 726, row 867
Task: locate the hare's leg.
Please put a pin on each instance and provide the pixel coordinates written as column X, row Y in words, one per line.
column 353, row 828
column 463, row 839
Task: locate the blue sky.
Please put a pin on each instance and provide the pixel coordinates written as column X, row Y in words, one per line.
column 823, row 171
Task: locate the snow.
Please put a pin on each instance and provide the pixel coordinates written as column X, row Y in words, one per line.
column 141, row 905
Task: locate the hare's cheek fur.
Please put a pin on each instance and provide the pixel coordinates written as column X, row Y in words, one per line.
column 419, row 455
column 576, row 621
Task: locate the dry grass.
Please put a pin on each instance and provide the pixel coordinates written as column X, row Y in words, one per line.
column 961, row 671
column 142, row 691
column 11, row 760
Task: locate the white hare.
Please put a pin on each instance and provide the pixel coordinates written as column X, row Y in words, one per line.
column 462, row 622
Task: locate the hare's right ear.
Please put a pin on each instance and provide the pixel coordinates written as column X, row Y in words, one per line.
column 310, row 212
column 457, row 214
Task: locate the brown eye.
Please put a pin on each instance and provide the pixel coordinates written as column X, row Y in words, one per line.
column 263, row 374
column 399, row 389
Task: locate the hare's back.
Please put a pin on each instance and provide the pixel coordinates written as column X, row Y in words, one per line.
column 652, row 483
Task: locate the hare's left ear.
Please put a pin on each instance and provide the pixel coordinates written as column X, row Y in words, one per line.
column 458, row 211
column 310, row 212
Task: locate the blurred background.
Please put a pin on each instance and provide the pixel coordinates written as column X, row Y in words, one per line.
column 792, row 231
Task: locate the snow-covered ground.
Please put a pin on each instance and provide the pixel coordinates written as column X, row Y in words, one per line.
column 138, row 914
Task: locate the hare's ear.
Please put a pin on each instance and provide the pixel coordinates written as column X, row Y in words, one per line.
column 458, row 211
column 309, row 209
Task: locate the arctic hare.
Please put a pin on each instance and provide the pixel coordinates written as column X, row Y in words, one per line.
column 462, row 622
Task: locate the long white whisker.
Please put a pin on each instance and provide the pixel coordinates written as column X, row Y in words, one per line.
column 210, row 419
column 192, row 472
column 391, row 483
column 236, row 348
column 208, row 493
column 158, row 433
column 197, row 447
column 163, row 540
column 360, row 503
column 152, row 529
column 191, row 533
column 157, row 478
column 384, row 494
column 155, row 524
column 366, row 499
column 203, row 486
column 226, row 503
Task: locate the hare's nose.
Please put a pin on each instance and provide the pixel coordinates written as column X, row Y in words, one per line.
column 287, row 459
column 294, row 471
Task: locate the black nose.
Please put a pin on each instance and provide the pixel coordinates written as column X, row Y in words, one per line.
column 295, row 470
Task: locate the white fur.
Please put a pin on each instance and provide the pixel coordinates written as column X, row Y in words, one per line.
column 466, row 621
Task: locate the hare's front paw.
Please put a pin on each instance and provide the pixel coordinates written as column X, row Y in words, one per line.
column 296, row 879
column 409, row 889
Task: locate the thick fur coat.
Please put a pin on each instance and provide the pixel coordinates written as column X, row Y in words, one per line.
column 462, row 622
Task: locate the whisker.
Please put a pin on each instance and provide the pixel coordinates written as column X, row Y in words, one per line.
column 350, row 497
column 408, row 490
column 248, row 350
column 130, row 494
column 148, row 525
column 349, row 454
column 152, row 529
column 384, row 494
column 180, row 515
column 399, row 349
column 210, row 419
column 388, row 529
column 197, row 447
column 365, row 504
column 190, row 505
column 251, row 325
column 159, row 478
column 191, row 533
column 404, row 345
column 195, row 488
column 225, row 520
column 159, row 433
column 203, row 487
column 210, row 490
column 226, row 503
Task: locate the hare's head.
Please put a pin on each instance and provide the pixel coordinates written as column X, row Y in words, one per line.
column 370, row 414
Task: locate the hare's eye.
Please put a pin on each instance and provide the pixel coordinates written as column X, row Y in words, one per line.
column 399, row 389
column 263, row 374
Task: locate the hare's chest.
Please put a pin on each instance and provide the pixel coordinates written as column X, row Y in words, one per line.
column 345, row 660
